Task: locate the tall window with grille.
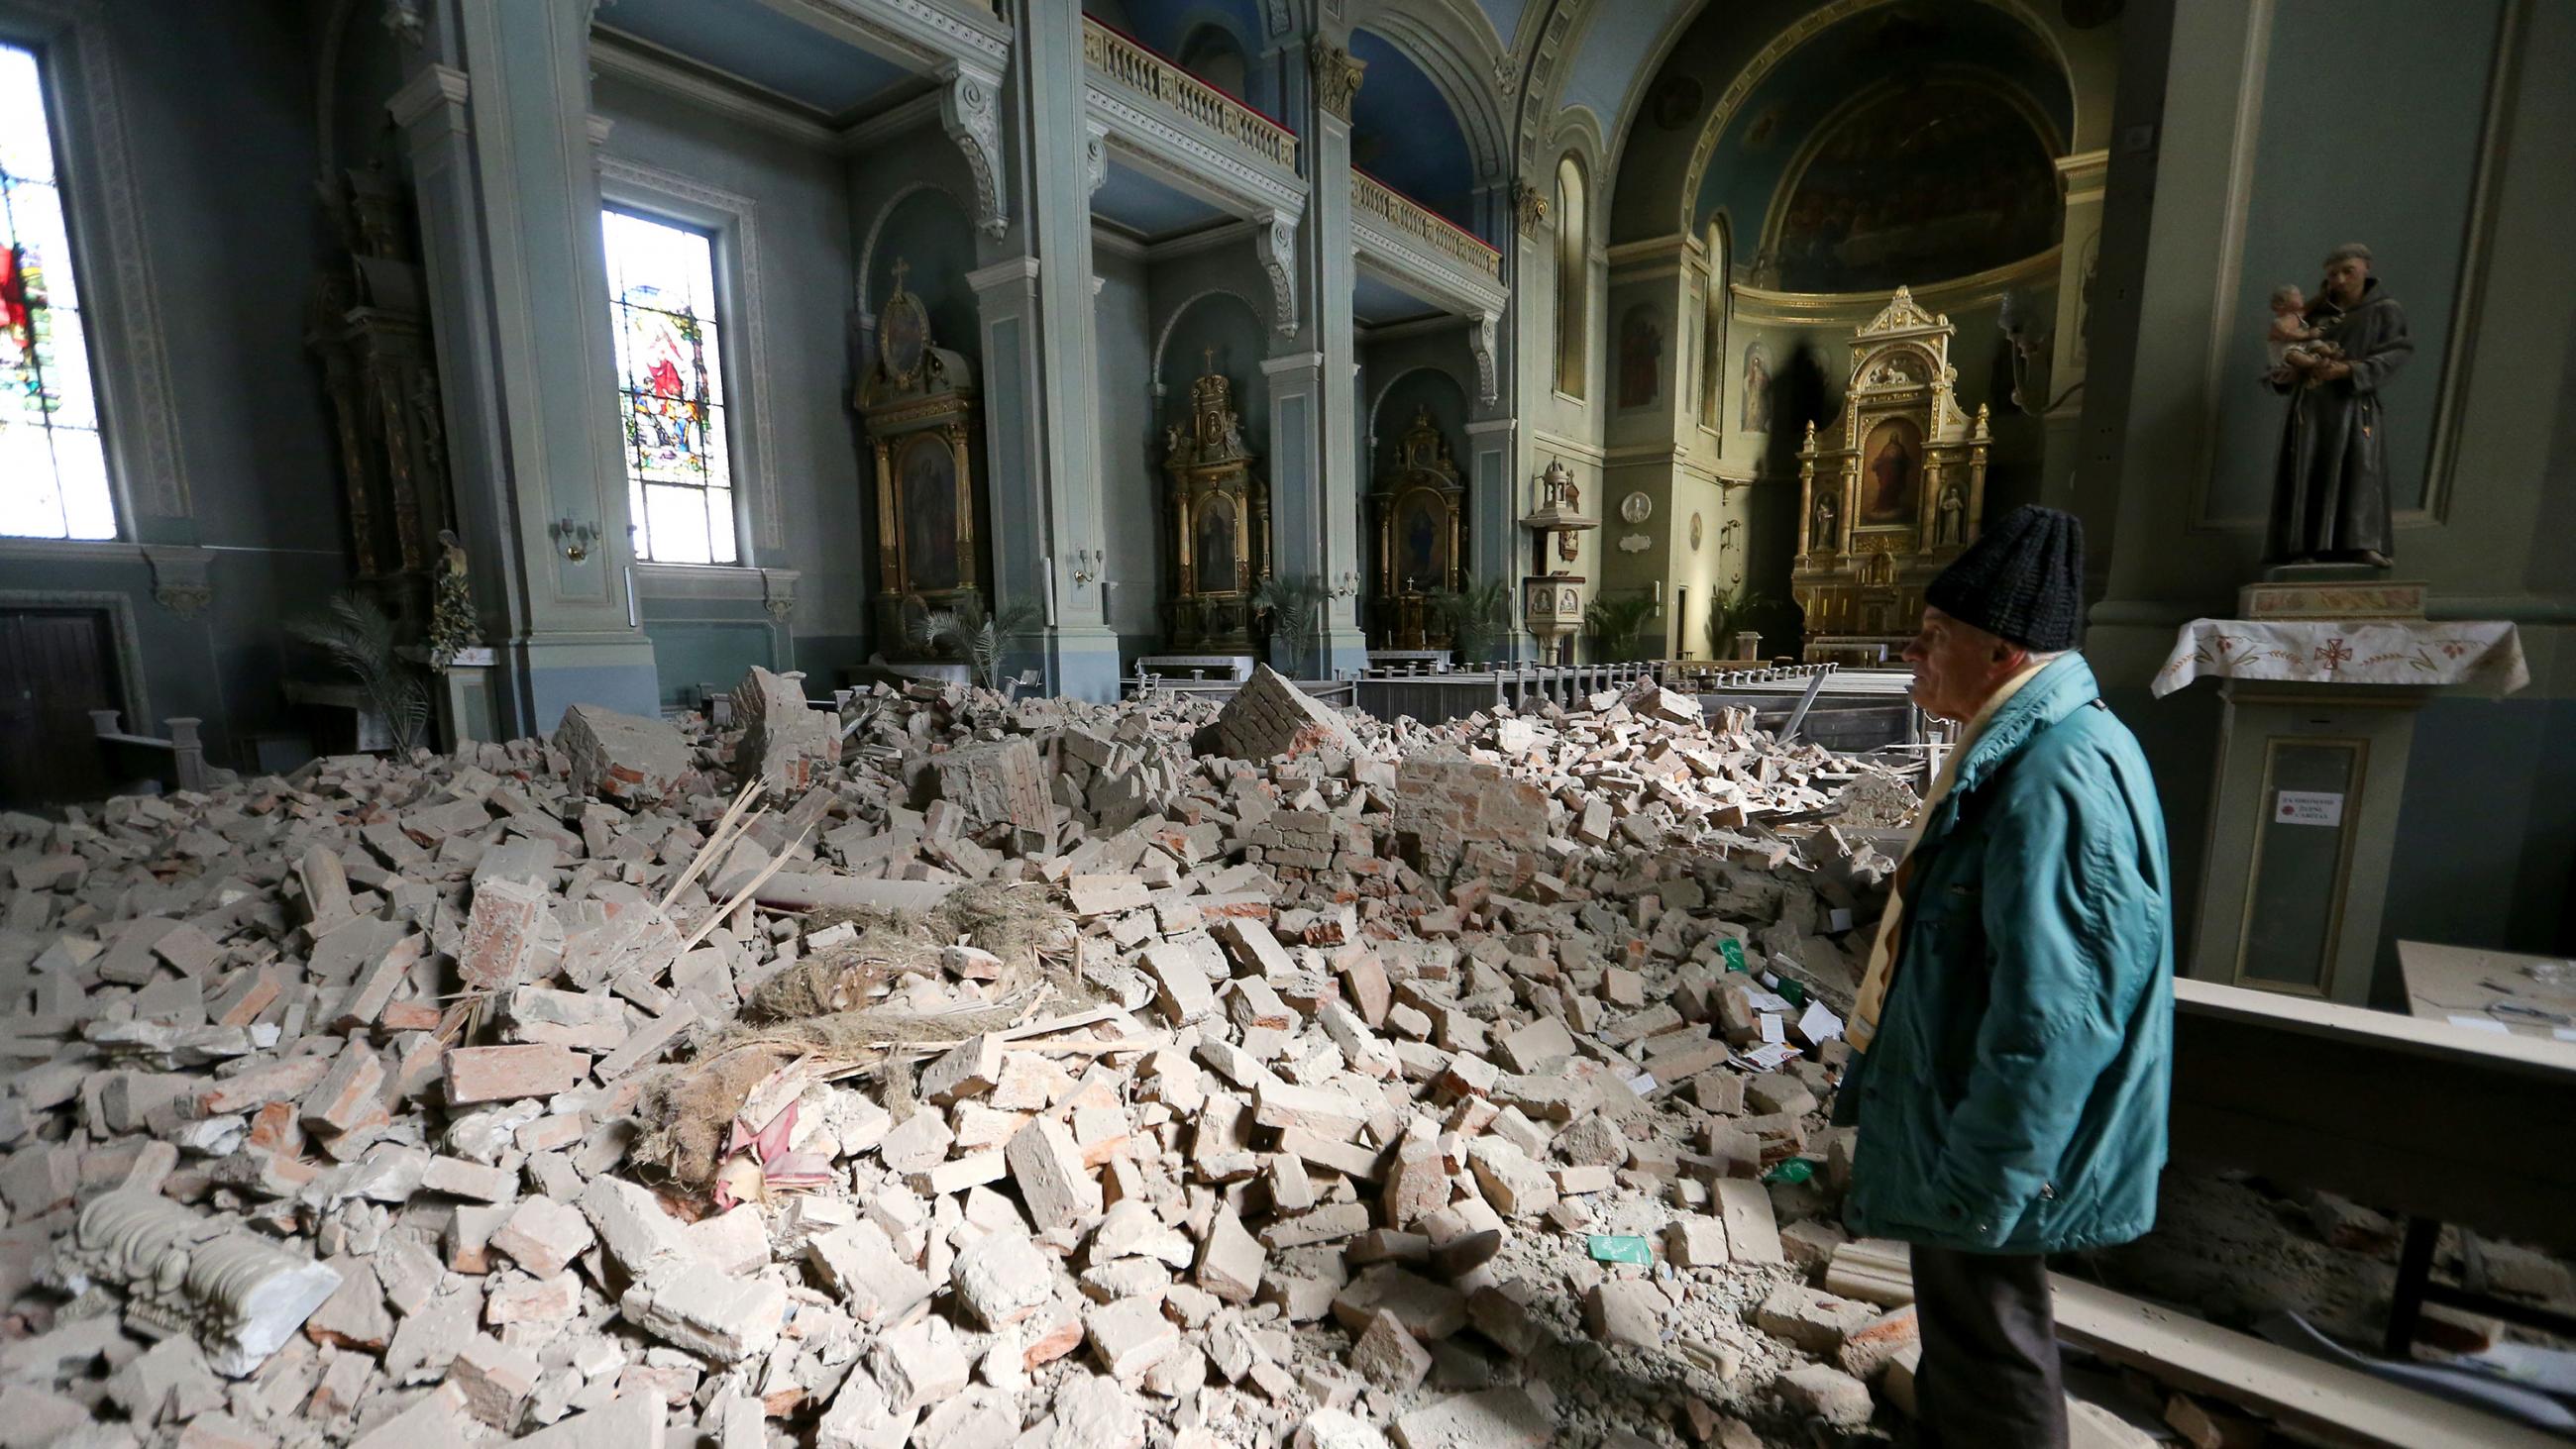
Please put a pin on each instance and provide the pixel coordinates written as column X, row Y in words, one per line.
column 53, row 463
column 671, row 389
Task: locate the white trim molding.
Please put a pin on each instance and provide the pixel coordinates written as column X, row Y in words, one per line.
column 735, row 221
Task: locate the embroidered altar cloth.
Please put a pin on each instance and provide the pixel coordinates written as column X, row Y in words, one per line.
column 2484, row 654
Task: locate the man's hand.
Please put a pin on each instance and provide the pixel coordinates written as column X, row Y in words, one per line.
column 2333, row 371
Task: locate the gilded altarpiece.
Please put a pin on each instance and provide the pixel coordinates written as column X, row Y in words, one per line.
column 1420, row 502
column 368, row 328
column 919, row 402
column 1219, row 546
column 1890, row 491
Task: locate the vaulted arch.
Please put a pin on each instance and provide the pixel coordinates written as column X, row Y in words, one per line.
column 1455, row 46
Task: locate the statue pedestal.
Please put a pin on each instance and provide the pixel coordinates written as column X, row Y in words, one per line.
column 2329, row 591
column 2320, row 715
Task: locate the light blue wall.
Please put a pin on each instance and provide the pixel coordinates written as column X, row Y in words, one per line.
column 2395, row 172
column 803, row 377
column 1131, row 476
column 234, row 234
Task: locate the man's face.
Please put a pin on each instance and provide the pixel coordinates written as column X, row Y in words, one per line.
column 2344, row 279
column 1956, row 665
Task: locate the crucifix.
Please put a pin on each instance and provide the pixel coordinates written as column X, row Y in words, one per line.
column 900, row 267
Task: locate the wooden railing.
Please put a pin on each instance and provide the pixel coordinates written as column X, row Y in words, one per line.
column 1136, row 67
column 1436, row 232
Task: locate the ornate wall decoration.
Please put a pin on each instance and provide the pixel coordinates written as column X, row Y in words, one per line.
column 1891, row 490
column 1277, row 245
column 1337, row 76
column 1529, row 207
column 1095, row 160
column 180, row 581
column 367, row 326
column 919, row 402
column 1480, row 343
column 1219, row 545
column 970, row 112
column 1932, row 178
column 1421, row 536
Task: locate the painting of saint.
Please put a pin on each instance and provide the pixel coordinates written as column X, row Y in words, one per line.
column 1422, row 544
column 1641, row 351
column 1891, row 464
column 928, row 473
column 1212, row 546
column 1927, row 182
column 1755, row 412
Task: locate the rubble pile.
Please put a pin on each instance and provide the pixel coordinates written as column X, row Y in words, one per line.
column 960, row 1072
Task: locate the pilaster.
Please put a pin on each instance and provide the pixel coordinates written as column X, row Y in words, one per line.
column 2079, row 260
column 1042, row 356
column 1315, row 476
column 1495, row 539
column 504, row 164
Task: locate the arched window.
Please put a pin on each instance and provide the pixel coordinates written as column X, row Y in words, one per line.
column 1712, row 345
column 1572, row 356
column 1213, row 55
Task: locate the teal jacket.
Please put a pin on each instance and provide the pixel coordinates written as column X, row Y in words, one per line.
column 2013, row 1098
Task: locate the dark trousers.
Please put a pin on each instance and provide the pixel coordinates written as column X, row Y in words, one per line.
column 1989, row 1375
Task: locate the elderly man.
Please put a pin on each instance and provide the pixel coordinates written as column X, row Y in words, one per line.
column 2015, row 1021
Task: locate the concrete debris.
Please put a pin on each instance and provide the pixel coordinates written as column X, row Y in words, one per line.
column 622, row 758
column 1121, row 1093
column 786, row 745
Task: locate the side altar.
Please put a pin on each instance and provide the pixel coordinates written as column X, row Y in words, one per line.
column 1890, row 491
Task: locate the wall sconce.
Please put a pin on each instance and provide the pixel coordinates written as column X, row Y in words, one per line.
column 573, row 538
column 1346, row 583
column 1087, row 563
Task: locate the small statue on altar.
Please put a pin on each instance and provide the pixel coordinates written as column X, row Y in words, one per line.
column 1823, row 538
column 452, row 627
column 2330, row 500
column 1953, row 508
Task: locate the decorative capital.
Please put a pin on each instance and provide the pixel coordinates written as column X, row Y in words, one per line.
column 1529, row 207
column 778, row 592
column 180, row 581
column 1337, row 76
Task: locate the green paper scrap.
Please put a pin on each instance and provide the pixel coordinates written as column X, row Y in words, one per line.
column 1795, row 993
column 1607, row 1248
column 1796, row 1169
column 1733, row 951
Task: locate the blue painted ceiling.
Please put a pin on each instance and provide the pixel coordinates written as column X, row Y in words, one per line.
column 1402, row 132
column 1166, row 24
column 1767, row 133
column 1506, row 16
column 1376, row 303
column 1145, row 208
column 747, row 39
column 1615, row 47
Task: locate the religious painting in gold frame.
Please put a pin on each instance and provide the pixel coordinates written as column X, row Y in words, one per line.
column 918, row 399
column 1419, row 501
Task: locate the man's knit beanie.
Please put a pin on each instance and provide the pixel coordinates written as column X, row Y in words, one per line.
column 2022, row 580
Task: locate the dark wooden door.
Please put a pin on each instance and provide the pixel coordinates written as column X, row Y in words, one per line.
column 56, row 665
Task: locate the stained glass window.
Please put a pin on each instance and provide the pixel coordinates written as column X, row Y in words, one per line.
column 53, row 466
column 670, row 389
